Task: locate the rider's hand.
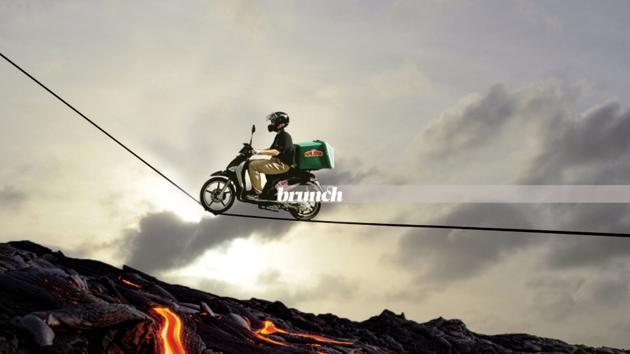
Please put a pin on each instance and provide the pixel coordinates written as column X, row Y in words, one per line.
column 254, row 152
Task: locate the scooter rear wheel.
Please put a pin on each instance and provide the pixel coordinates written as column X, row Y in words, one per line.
column 307, row 210
column 217, row 195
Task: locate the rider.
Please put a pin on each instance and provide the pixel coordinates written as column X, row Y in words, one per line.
column 281, row 152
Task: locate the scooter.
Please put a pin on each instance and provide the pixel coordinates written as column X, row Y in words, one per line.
column 224, row 187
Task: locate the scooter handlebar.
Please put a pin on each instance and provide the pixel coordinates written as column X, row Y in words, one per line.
column 247, row 149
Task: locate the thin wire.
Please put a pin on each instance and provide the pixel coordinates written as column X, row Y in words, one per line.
column 338, row 222
column 99, row 128
column 428, row 226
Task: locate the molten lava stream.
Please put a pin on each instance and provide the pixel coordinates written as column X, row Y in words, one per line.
column 270, row 328
column 170, row 332
column 130, row 283
column 321, row 339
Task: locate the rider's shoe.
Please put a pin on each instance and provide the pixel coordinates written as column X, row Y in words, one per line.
column 259, row 197
column 251, row 195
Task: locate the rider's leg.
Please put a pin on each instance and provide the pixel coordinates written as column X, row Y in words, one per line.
column 254, row 174
column 272, row 166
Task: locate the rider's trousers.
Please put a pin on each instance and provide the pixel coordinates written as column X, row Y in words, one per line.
column 271, row 166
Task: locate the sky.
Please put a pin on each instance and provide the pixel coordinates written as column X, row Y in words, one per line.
column 407, row 92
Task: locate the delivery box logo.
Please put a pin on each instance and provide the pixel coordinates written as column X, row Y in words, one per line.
column 313, row 153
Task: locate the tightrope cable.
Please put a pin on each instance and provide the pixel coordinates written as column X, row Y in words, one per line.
column 99, row 128
column 338, row 222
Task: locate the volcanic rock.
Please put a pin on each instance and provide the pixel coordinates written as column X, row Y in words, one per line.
column 50, row 303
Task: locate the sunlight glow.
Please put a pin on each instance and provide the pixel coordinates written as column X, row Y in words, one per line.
column 163, row 196
column 240, row 264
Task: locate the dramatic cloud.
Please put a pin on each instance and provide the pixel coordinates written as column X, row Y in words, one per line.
column 591, row 148
column 567, row 252
column 468, row 126
column 439, row 255
column 163, row 241
column 545, row 144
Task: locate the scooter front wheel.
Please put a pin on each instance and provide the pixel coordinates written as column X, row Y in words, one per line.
column 217, row 194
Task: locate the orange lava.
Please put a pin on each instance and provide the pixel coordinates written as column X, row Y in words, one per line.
column 321, row 339
column 130, row 283
column 170, row 332
column 270, row 328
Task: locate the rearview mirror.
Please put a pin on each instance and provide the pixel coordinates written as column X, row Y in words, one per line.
column 253, row 128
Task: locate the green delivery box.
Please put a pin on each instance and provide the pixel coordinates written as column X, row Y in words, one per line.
column 314, row 155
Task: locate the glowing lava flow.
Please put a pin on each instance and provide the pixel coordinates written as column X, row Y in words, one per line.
column 130, row 283
column 270, row 328
column 170, row 332
column 321, row 339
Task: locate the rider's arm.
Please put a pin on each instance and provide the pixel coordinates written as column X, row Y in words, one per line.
column 270, row 152
column 282, row 144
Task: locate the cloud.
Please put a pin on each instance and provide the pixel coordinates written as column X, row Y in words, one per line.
column 320, row 286
column 471, row 134
column 555, row 297
column 532, row 135
column 405, row 80
column 474, row 120
column 518, row 123
column 569, row 252
column 273, row 285
column 590, row 148
column 561, row 296
column 353, row 171
column 537, row 16
column 414, row 293
column 587, row 149
column 326, row 286
column 442, row 255
column 526, row 136
column 11, row 198
column 610, row 289
column 163, row 241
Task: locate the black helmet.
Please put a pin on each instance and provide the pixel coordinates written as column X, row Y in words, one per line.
column 277, row 118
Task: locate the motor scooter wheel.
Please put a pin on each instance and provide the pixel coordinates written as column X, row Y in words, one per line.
column 217, row 194
column 306, row 210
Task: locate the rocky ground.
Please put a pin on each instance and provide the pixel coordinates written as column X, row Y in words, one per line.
column 50, row 303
